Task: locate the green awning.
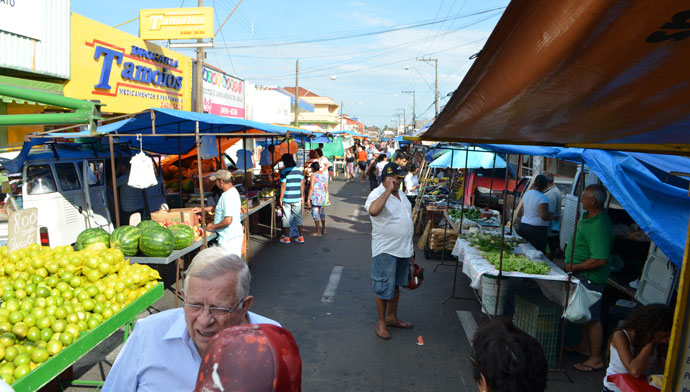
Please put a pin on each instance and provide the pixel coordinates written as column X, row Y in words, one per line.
column 35, row 85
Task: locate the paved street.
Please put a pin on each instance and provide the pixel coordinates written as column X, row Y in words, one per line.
column 334, row 323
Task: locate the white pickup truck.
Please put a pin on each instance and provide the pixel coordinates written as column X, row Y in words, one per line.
column 69, row 189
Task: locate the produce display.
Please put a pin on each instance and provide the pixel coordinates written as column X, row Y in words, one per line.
column 517, row 263
column 471, row 213
column 492, row 242
column 50, row 297
column 126, row 238
column 183, row 236
column 156, row 241
column 91, row 238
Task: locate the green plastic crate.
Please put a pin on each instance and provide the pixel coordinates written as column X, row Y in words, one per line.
column 541, row 319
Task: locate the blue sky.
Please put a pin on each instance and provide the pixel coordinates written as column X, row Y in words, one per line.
column 367, row 73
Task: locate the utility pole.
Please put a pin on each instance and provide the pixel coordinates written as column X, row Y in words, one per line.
column 200, row 57
column 404, row 118
column 296, row 94
column 414, row 110
column 435, row 82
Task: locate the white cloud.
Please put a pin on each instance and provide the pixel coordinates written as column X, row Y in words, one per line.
column 372, row 20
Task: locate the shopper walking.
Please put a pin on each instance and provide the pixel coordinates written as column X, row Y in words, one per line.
column 350, row 164
column 318, row 194
column 290, row 200
column 372, row 171
column 412, row 184
column 391, row 247
column 362, row 162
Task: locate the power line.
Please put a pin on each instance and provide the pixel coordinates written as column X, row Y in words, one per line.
column 359, row 35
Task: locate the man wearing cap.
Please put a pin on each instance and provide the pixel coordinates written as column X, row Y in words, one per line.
column 391, row 246
column 226, row 214
column 166, row 349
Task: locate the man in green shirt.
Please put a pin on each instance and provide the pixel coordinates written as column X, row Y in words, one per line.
column 588, row 259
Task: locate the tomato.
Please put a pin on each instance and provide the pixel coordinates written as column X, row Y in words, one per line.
column 26, row 305
column 10, row 353
column 20, row 294
column 66, row 276
column 16, row 317
column 34, row 334
column 99, row 307
column 40, row 355
column 21, row 371
column 92, row 322
column 30, row 288
column 61, row 312
column 72, row 318
column 20, row 330
column 21, row 359
column 89, row 304
column 75, row 282
column 73, row 329
column 46, row 334
column 51, row 281
column 93, row 275
column 83, row 326
column 63, row 286
column 12, row 304
column 8, row 378
column 7, row 295
column 29, row 320
column 66, row 338
column 5, row 326
column 19, row 284
column 38, row 312
column 92, row 290
column 108, row 313
column 59, row 325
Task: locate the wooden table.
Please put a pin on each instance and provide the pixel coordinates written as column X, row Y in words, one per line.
column 243, row 217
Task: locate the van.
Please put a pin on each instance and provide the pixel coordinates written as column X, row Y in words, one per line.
column 68, row 184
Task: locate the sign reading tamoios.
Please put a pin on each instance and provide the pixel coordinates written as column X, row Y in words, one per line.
column 176, row 23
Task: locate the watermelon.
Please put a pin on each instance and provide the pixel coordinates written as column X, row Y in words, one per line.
column 184, row 236
column 145, row 224
column 93, row 238
column 126, row 238
column 156, row 241
column 188, row 185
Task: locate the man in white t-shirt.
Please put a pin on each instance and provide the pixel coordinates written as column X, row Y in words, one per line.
column 536, row 216
column 226, row 219
column 412, row 184
column 165, row 349
column 391, row 246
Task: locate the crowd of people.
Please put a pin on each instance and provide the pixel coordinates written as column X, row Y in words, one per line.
column 216, row 320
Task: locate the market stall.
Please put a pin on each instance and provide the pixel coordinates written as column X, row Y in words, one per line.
column 632, row 104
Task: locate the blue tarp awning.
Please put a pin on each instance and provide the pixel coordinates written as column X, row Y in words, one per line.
column 657, row 206
column 462, row 159
column 168, row 122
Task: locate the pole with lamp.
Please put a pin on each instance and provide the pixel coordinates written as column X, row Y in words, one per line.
column 435, row 61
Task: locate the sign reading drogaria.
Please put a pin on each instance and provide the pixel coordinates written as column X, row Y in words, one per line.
column 176, row 23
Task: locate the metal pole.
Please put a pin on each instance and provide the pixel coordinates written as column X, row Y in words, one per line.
column 179, row 160
column 296, row 94
column 201, row 185
column 436, row 87
column 503, row 235
column 199, row 102
column 114, row 180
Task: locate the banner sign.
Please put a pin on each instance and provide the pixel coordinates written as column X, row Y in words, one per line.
column 22, row 229
column 223, row 94
column 125, row 73
column 176, row 23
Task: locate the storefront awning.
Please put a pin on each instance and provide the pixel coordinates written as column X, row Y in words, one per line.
column 35, row 85
column 596, row 74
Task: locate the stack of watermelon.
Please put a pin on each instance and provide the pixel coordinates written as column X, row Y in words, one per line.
column 148, row 237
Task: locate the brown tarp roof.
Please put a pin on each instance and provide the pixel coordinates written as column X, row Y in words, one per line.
column 589, row 73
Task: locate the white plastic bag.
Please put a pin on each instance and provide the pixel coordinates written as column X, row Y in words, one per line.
column 578, row 308
column 208, row 148
column 141, row 173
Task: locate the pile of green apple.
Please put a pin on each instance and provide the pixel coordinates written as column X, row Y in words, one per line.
column 51, row 296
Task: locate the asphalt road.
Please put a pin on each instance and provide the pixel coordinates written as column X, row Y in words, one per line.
column 334, row 323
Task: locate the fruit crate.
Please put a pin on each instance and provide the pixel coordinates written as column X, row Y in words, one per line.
column 88, row 340
column 541, row 319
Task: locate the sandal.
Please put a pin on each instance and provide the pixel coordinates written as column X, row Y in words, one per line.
column 581, row 367
column 398, row 324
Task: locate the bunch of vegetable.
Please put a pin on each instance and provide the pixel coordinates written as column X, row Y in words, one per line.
column 471, row 213
column 491, row 242
column 518, row 263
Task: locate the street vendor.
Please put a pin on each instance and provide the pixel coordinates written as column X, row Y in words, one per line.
column 226, row 214
column 588, row 260
column 165, row 349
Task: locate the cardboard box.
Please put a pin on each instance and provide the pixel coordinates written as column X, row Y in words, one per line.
column 176, row 215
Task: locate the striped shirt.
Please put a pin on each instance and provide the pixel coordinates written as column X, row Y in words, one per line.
column 292, row 177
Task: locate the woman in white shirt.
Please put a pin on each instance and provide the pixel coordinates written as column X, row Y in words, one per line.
column 536, row 218
column 412, row 184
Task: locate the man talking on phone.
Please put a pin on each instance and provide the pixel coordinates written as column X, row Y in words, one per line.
column 391, row 246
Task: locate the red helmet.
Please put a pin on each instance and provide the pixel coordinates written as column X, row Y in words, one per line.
column 251, row 358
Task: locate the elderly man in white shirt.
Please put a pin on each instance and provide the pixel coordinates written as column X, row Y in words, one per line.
column 391, row 246
column 165, row 349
